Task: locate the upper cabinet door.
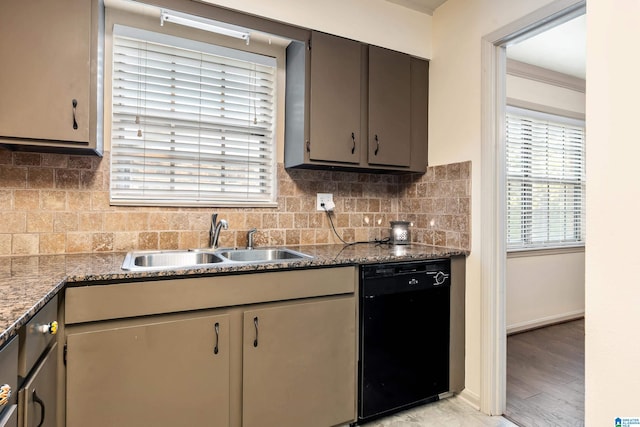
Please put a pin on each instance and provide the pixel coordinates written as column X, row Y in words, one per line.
column 389, row 107
column 335, row 99
column 45, row 75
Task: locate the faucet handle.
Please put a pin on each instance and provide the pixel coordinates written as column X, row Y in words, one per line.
column 250, row 237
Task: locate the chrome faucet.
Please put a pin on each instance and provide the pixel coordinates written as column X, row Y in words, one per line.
column 214, row 231
column 250, row 238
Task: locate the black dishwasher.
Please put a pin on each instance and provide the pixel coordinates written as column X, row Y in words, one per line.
column 404, row 335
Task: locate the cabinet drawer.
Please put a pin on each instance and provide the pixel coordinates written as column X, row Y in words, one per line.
column 37, row 335
column 9, row 374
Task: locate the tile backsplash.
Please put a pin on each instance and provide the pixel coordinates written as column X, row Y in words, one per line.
column 56, row 203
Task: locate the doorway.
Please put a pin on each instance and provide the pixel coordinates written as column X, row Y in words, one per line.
column 493, row 206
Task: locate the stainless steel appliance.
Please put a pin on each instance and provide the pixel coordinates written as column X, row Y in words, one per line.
column 404, row 335
column 400, row 234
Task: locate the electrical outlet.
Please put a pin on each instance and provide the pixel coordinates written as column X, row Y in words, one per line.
column 326, row 199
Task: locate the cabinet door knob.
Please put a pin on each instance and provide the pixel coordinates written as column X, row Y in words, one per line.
column 74, row 103
column 255, row 325
column 39, row 401
column 5, row 394
column 375, row 153
column 353, row 139
column 49, row 328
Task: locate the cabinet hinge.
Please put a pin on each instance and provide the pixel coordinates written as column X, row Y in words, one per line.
column 64, row 355
column 309, row 44
column 308, row 146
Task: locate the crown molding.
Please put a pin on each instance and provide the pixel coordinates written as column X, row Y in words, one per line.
column 544, row 75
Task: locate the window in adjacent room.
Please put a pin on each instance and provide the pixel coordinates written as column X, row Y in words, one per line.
column 545, row 180
column 193, row 123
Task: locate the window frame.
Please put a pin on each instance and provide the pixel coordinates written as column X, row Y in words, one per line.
column 547, row 245
column 260, row 47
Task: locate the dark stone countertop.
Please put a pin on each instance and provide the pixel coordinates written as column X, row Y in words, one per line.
column 27, row 283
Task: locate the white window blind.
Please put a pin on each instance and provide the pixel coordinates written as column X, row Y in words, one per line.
column 545, row 180
column 193, row 123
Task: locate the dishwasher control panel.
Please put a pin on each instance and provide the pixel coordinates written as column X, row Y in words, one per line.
column 377, row 279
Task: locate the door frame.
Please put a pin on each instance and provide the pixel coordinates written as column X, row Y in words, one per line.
column 493, row 364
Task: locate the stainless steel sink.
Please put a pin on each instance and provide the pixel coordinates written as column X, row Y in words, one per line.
column 168, row 259
column 157, row 260
column 262, row 255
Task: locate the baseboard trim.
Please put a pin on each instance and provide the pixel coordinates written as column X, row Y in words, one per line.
column 470, row 398
column 544, row 321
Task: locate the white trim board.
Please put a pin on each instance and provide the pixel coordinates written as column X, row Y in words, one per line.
column 544, row 75
column 544, row 321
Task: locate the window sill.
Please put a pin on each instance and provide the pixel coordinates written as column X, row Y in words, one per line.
column 521, row 253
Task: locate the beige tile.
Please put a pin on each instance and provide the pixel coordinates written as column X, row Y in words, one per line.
column 26, row 199
column 102, row 242
column 301, row 220
column 79, row 242
column 79, row 201
column 27, row 159
column 307, row 237
column 5, row 244
column 51, row 200
column 100, row 200
column 6, row 199
column 148, row 240
column 93, row 180
column 67, row 179
column 90, row 221
column 189, row 239
column 65, row 221
column 285, row 220
column 13, row 222
column 13, row 177
column 115, row 221
column 292, row 237
column 54, row 160
column 40, row 178
column 169, row 240
column 39, row 222
column 80, row 162
column 25, row 244
column 125, row 241
column 52, row 243
column 137, row 221
column 276, row 237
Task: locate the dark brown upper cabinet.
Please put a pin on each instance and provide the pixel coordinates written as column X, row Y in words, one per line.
column 355, row 107
column 51, row 96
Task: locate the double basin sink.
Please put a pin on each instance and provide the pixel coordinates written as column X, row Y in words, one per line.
column 156, row 260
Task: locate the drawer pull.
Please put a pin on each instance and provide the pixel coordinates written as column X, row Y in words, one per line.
column 39, row 401
column 5, row 394
column 49, row 328
column 217, row 329
column 74, row 104
column 255, row 325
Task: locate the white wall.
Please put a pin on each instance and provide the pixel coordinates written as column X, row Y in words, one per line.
column 613, row 203
column 544, row 289
column 549, row 288
column 455, row 126
column 545, row 94
column 376, row 22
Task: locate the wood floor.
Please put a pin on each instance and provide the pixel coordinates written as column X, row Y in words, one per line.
column 545, row 376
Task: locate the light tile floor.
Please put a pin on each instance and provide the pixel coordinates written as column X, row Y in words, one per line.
column 451, row 412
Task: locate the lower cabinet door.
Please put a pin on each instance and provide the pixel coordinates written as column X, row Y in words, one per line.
column 38, row 396
column 173, row 373
column 9, row 417
column 299, row 364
